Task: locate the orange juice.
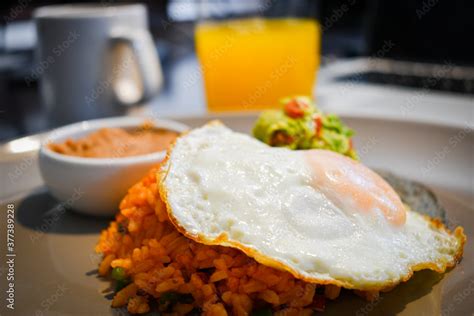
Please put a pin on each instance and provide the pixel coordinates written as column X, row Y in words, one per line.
column 250, row 64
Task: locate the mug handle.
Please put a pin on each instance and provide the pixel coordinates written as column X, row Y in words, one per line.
column 143, row 47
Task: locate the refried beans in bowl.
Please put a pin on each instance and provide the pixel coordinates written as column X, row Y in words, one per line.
column 116, row 142
column 90, row 165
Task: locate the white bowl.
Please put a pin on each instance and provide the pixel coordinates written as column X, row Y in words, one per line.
column 95, row 186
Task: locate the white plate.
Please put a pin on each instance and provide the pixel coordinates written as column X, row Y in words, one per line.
column 55, row 248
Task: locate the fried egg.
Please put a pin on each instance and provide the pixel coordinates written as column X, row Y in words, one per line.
column 323, row 217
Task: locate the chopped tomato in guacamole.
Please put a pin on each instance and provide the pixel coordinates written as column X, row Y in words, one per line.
column 300, row 125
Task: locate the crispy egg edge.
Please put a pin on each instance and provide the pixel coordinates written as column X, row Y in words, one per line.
column 223, row 240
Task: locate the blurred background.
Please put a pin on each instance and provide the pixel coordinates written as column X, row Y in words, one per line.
column 403, row 58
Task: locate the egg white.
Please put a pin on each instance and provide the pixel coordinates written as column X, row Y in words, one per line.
column 225, row 188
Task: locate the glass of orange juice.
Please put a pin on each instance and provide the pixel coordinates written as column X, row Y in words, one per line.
column 251, row 62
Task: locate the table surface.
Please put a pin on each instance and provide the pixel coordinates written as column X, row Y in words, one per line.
column 351, row 98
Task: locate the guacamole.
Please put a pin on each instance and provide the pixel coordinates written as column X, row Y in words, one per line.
column 300, row 125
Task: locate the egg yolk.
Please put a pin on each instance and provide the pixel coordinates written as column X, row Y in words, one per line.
column 353, row 187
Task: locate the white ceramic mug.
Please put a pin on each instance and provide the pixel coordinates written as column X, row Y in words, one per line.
column 94, row 60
